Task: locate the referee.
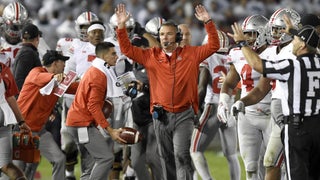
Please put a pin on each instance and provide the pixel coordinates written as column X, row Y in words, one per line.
column 300, row 81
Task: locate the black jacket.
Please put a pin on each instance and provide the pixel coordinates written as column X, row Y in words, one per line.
column 26, row 59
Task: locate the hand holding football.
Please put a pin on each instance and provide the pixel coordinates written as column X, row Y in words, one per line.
column 132, row 136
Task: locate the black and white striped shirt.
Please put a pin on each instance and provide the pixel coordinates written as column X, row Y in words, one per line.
column 300, row 81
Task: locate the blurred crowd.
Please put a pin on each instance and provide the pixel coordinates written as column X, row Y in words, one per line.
column 59, row 15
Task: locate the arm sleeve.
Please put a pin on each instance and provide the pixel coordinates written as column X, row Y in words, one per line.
column 96, row 97
column 213, row 44
column 135, row 53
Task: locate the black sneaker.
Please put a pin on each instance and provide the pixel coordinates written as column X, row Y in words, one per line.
column 129, row 178
column 70, row 178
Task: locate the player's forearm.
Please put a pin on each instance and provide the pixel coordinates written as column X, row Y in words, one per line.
column 15, row 108
column 252, row 58
column 253, row 97
column 258, row 92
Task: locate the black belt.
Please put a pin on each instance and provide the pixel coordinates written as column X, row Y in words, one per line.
column 298, row 119
column 295, row 120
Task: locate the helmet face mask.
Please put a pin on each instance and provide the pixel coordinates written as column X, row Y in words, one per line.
column 15, row 16
column 83, row 22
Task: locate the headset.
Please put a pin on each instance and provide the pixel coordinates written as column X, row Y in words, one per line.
column 171, row 23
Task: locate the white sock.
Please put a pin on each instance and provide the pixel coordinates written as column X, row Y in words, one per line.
column 201, row 165
column 234, row 167
column 69, row 173
column 129, row 171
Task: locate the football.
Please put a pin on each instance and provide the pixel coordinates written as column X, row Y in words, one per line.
column 107, row 108
column 131, row 135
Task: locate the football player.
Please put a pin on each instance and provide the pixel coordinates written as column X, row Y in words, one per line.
column 254, row 126
column 273, row 158
column 212, row 71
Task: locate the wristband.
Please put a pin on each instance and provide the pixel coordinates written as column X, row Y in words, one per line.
column 207, row 21
column 224, row 97
column 242, row 43
column 21, row 122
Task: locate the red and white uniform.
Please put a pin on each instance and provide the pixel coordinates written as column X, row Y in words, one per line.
column 250, row 78
column 274, row 153
column 209, row 123
column 82, row 58
column 254, row 126
column 64, row 45
column 216, row 65
column 8, row 53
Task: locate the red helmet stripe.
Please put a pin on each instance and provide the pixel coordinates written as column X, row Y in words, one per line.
column 17, row 7
column 246, row 22
column 89, row 16
column 275, row 14
column 223, row 40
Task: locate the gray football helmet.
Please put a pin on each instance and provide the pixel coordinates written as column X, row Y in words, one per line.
column 153, row 25
column 256, row 23
column 82, row 23
column 223, row 39
column 130, row 25
column 276, row 24
column 15, row 16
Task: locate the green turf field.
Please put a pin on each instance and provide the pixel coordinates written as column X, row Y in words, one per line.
column 217, row 163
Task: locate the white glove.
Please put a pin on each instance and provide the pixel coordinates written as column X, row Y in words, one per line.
column 223, row 109
column 237, row 107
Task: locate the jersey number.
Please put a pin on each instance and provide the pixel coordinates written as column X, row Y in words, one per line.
column 247, row 80
column 215, row 81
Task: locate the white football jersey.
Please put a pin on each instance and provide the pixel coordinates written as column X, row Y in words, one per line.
column 83, row 54
column 250, row 78
column 285, row 53
column 8, row 53
column 216, row 64
column 64, row 45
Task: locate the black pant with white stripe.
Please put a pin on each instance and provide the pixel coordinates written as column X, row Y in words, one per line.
column 303, row 148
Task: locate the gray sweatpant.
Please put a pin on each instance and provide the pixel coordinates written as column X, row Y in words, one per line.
column 173, row 135
column 99, row 150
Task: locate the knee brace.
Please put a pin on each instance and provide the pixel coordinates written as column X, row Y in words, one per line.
column 252, row 167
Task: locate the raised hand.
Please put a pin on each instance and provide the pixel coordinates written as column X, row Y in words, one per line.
column 201, row 13
column 288, row 23
column 122, row 15
column 237, row 33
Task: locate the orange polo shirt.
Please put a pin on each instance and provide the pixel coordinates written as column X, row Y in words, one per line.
column 37, row 108
column 89, row 99
column 173, row 80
